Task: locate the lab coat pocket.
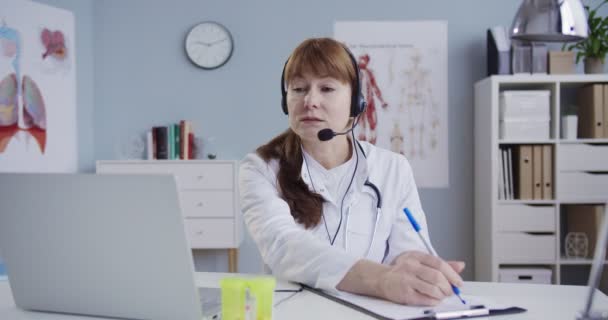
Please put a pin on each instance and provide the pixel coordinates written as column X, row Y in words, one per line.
column 366, row 242
column 360, row 228
column 358, row 242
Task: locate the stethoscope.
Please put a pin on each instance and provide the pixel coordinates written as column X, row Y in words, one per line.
column 378, row 206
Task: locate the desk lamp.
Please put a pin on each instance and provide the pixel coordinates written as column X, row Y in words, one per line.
column 550, row 21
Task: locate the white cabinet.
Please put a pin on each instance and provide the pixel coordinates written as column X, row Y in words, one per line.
column 208, row 194
column 515, row 233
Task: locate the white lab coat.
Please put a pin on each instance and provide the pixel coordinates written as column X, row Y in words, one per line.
column 305, row 255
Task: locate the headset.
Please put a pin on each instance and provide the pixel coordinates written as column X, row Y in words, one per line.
column 357, row 101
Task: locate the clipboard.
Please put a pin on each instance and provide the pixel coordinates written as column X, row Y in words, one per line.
column 472, row 312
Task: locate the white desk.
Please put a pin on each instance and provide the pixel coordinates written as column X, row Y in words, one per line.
column 542, row 302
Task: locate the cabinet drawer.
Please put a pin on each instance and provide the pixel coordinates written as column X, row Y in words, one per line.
column 521, row 217
column 582, row 185
column 210, row 176
column 139, row 168
column 192, row 175
column 523, row 247
column 211, row 233
column 208, row 203
column 525, row 275
column 583, row 157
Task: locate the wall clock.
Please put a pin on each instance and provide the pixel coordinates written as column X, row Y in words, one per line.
column 209, row 45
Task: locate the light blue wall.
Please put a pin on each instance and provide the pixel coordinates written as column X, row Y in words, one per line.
column 141, row 77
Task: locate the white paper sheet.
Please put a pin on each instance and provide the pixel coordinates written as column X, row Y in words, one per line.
column 397, row 311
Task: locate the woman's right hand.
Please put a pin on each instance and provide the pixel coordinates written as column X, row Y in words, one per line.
column 417, row 278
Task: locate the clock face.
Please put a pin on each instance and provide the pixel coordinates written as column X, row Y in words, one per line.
column 209, row 45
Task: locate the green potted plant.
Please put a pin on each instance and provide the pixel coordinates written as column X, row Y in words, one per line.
column 594, row 48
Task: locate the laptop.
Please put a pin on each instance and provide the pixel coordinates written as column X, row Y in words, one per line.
column 99, row 245
column 597, row 267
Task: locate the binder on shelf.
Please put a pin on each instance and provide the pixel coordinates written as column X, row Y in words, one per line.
column 524, row 172
column 591, row 111
column 499, row 51
column 537, row 172
column 539, row 57
column 521, row 57
column 547, row 179
column 605, row 111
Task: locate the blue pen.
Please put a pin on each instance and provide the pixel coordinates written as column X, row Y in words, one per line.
column 416, row 227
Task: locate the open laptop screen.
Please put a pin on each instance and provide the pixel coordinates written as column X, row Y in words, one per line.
column 106, row 245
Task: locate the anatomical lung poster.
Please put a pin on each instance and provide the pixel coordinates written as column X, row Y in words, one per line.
column 37, row 88
column 404, row 71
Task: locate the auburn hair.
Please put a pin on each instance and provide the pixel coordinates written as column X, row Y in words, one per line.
column 321, row 57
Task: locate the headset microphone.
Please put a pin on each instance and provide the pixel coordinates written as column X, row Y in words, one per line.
column 328, row 134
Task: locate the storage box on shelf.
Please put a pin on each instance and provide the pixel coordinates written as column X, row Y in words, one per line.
column 207, row 191
column 524, row 114
column 525, row 275
column 515, row 229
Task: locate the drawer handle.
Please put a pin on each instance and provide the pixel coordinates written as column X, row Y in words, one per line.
column 200, row 204
column 200, row 177
column 199, row 232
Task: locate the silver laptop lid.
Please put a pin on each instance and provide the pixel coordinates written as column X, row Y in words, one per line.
column 596, row 270
column 106, row 245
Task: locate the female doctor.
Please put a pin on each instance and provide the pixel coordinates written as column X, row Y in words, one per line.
column 330, row 213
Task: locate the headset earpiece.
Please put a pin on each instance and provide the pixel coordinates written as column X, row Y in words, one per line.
column 358, row 102
column 283, row 91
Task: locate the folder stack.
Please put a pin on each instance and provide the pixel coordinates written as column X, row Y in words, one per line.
column 593, row 111
column 533, row 172
column 524, row 114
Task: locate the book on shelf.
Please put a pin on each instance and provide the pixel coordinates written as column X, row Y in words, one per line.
column 501, row 177
column 505, row 174
column 510, row 174
column 171, row 142
column 160, row 136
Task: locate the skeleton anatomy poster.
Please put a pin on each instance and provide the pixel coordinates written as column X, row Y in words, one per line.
column 404, row 72
column 37, row 88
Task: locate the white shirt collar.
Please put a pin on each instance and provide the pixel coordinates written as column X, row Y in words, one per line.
column 359, row 159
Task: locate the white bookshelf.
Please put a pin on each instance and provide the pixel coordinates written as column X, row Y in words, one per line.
column 527, row 247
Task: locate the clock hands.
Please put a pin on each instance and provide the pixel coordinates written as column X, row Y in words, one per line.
column 218, row 41
column 209, row 44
